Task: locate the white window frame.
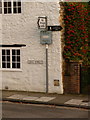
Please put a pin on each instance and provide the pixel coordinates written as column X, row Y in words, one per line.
column 10, row 69
column 11, row 8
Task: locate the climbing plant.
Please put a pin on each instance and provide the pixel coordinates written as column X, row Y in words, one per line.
column 76, row 19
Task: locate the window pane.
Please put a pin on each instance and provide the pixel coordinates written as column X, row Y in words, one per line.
column 13, row 58
column 8, row 52
column 13, row 52
column 18, row 65
column 3, row 65
column 19, row 3
column 19, row 10
column 9, row 10
column 8, row 58
column 18, row 58
column 5, row 10
column 14, row 10
column 13, row 65
column 9, row 4
column 3, row 58
column 3, row 52
column 8, row 65
column 14, row 4
column 5, row 4
column 18, row 52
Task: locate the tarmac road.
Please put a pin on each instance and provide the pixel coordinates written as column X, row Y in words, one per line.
column 19, row 110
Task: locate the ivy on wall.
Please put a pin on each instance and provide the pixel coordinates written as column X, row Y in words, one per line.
column 77, row 30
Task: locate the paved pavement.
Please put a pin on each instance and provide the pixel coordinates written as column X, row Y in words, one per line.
column 69, row 100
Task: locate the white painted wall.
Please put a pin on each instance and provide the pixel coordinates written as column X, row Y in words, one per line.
column 0, row 51
column 22, row 29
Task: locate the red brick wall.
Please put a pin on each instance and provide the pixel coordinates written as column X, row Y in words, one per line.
column 72, row 78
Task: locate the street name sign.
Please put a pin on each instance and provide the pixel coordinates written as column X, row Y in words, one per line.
column 54, row 28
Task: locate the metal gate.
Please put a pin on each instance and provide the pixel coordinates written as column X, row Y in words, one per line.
column 85, row 79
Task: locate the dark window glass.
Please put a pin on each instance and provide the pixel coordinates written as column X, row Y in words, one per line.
column 18, row 65
column 5, row 10
column 3, row 65
column 9, row 4
column 19, row 3
column 14, row 4
column 8, row 58
column 3, row 58
column 9, row 10
column 18, row 52
column 18, row 58
column 13, row 58
column 8, row 52
column 13, row 65
column 8, row 65
column 13, row 52
column 19, row 10
column 14, row 10
column 5, row 4
column 3, row 52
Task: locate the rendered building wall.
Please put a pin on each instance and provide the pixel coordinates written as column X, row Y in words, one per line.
column 22, row 29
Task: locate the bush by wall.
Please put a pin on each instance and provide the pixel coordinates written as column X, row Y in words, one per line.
column 77, row 30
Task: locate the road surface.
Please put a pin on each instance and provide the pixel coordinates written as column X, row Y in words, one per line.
column 19, row 110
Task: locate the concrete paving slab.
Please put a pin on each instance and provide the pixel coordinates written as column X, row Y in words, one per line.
column 74, row 102
column 30, row 98
column 85, row 103
column 17, row 96
column 24, row 97
column 45, row 99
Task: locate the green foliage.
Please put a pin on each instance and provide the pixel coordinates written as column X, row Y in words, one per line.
column 76, row 20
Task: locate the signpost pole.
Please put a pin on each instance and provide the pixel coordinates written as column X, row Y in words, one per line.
column 46, row 68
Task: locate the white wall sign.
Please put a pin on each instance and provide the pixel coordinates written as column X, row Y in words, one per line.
column 35, row 61
column 42, row 22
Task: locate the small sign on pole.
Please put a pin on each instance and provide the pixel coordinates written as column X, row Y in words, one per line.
column 42, row 22
column 45, row 37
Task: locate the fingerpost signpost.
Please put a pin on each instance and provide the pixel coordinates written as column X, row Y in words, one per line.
column 46, row 38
